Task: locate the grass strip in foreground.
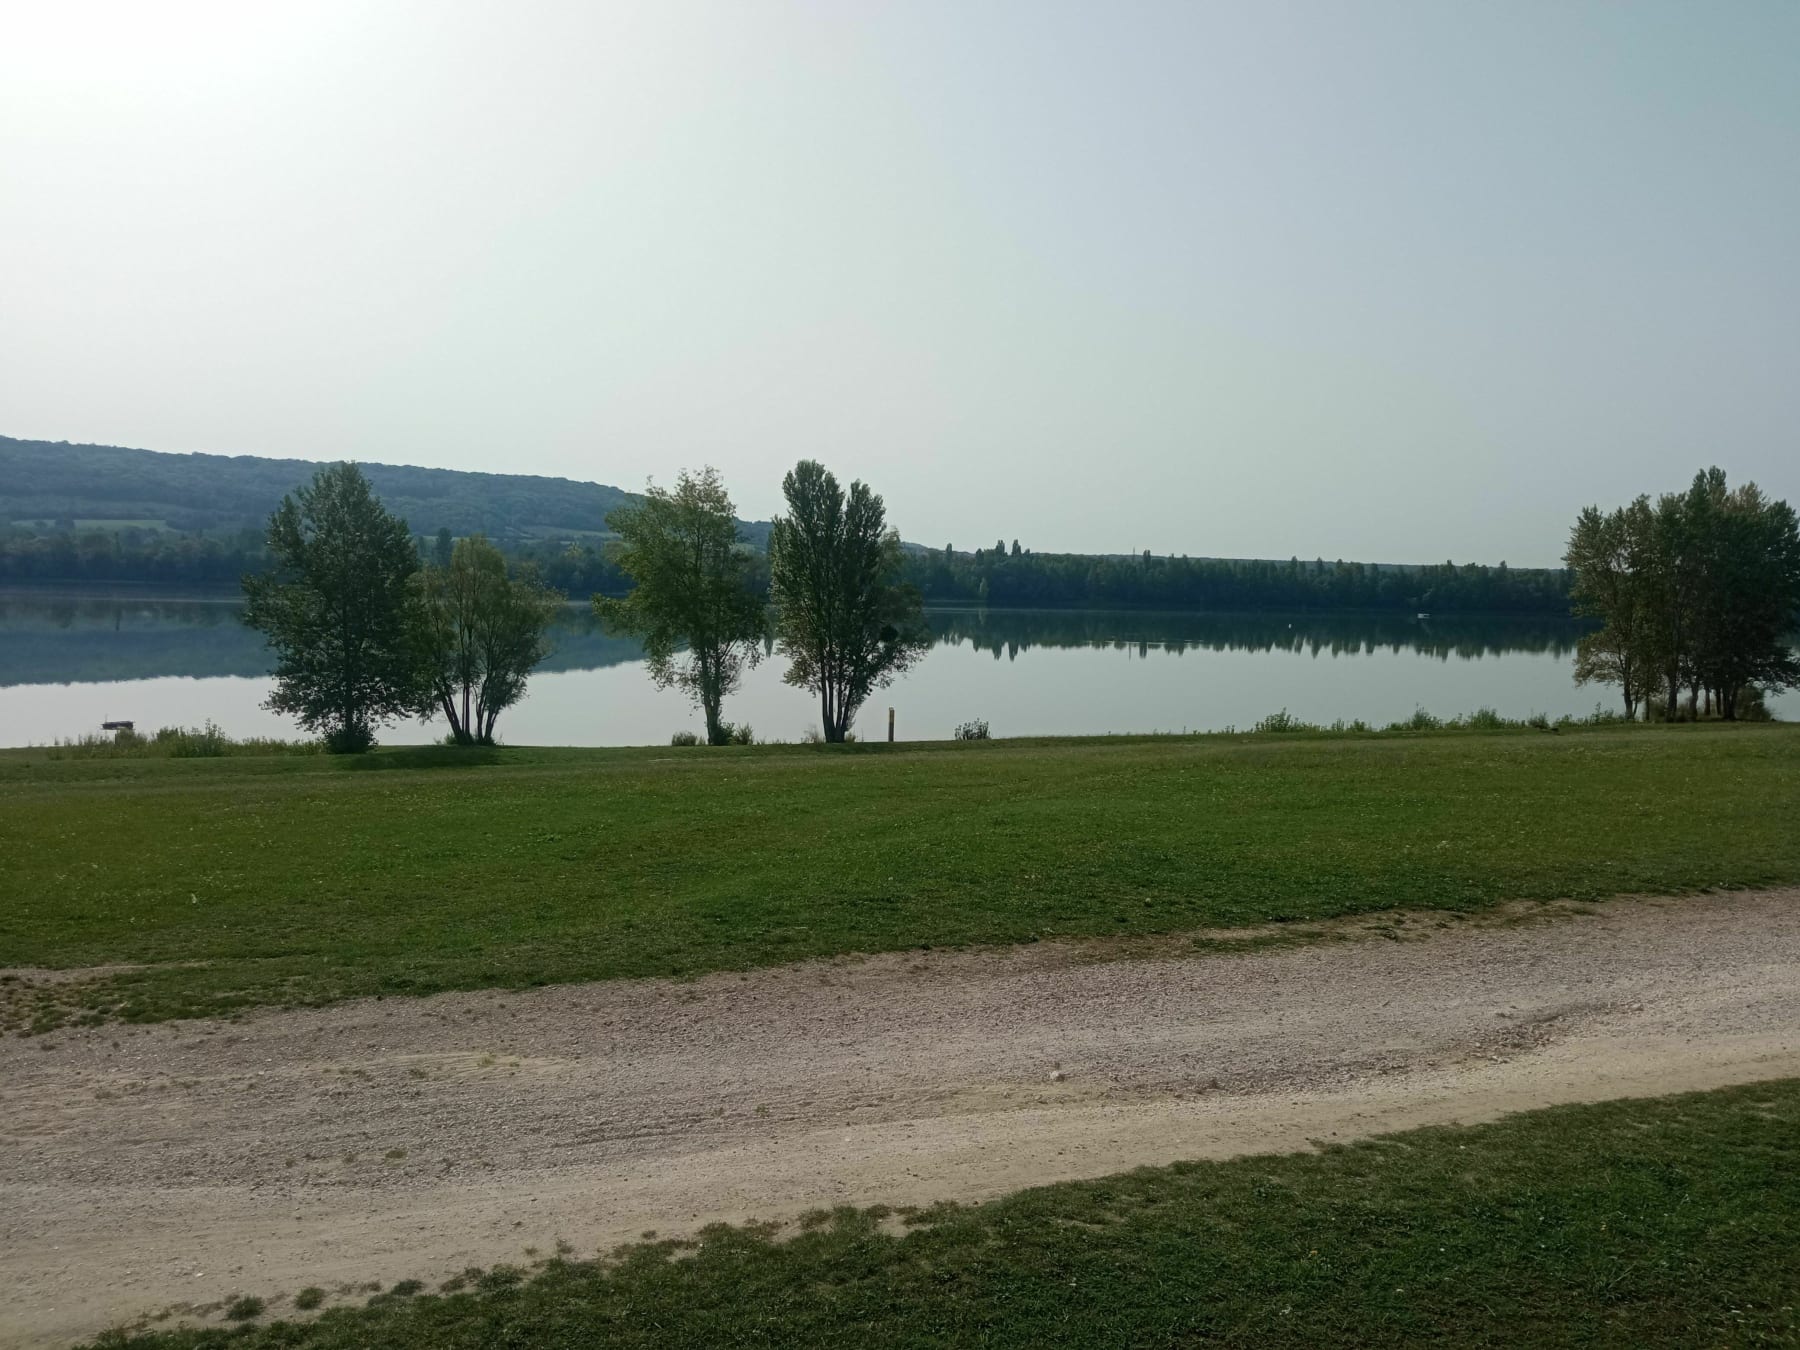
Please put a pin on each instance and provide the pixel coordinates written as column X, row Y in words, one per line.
column 236, row 882
column 1634, row 1223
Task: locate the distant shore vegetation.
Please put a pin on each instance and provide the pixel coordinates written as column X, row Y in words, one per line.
column 203, row 742
column 107, row 515
column 211, row 742
column 1695, row 597
column 79, row 552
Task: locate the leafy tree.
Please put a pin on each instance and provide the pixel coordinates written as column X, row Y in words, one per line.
column 1747, row 591
column 1603, row 555
column 1697, row 591
column 694, row 602
column 443, row 547
column 334, row 608
column 478, row 633
column 845, row 623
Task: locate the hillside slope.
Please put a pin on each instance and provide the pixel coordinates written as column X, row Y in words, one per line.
column 54, row 480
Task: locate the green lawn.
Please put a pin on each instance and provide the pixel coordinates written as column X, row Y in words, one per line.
column 1652, row 1223
column 257, row 880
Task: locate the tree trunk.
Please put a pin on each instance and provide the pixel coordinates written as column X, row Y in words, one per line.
column 456, row 727
column 715, row 728
column 711, row 699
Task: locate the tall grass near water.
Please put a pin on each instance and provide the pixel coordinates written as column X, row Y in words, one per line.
column 205, row 742
column 1482, row 719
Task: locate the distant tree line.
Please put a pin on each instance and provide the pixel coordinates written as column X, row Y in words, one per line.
column 995, row 577
column 61, row 552
column 1011, row 577
column 1698, row 594
column 108, row 514
column 131, row 556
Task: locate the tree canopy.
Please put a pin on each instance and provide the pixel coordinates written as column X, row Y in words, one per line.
column 335, row 609
column 477, row 633
column 845, row 622
column 1697, row 591
column 694, row 600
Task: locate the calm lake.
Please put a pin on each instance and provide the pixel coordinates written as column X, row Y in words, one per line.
column 68, row 663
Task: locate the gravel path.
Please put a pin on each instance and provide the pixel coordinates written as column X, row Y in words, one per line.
column 179, row 1164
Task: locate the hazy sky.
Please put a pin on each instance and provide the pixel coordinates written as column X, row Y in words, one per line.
column 1387, row 281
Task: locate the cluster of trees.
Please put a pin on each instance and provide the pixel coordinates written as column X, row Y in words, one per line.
column 364, row 632
column 575, row 567
column 1697, row 591
column 1014, row 577
column 843, row 619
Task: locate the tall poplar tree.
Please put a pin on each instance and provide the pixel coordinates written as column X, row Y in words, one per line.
column 843, row 620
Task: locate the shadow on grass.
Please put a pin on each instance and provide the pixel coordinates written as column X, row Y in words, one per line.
column 426, row 757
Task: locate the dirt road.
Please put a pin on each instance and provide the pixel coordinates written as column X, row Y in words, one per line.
column 182, row 1163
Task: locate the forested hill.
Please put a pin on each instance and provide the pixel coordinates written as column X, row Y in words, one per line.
column 109, row 486
column 101, row 514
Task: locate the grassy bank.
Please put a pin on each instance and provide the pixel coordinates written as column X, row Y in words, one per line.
column 255, row 880
column 1658, row 1223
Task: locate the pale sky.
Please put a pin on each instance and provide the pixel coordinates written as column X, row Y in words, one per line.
column 1371, row 280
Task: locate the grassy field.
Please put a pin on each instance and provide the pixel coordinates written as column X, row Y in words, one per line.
column 1646, row 1223
column 301, row 879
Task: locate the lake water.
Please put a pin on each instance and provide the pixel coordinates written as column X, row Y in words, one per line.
column 68, row 663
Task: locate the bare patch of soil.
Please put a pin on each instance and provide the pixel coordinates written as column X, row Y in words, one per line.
column 176, row 1165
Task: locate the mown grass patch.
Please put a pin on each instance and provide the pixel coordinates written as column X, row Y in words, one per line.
column 1638, row 1223
column 235, row 882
